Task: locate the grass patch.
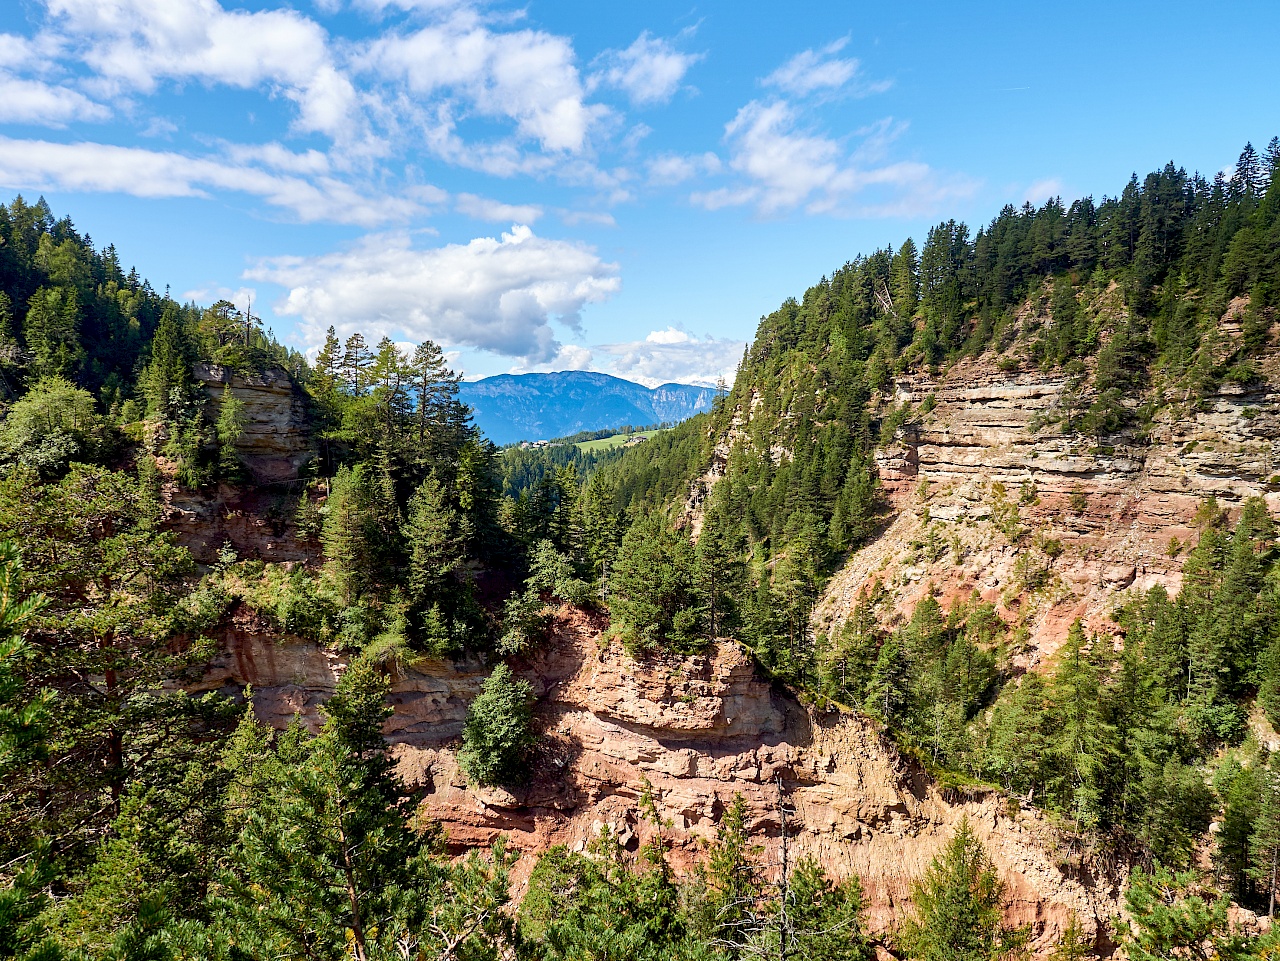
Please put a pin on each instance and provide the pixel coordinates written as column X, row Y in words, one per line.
column 616, row 440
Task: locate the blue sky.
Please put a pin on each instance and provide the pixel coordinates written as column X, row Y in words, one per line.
column 620, row 187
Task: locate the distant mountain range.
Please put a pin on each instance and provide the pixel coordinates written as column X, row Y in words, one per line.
column 515, row 407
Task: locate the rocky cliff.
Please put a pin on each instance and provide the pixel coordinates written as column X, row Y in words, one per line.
column 989, row 494
column 694, row 732
column 255, row 519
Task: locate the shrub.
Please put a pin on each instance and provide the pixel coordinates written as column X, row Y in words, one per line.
column 54, row 424
column 497, row 738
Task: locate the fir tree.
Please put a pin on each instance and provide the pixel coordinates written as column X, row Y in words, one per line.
column 956, row 907
column 497, row 738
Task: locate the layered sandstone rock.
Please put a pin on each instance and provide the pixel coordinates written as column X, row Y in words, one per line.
column 255, row 520
column 1116, row 514
column 275, row 443
column 693, row 733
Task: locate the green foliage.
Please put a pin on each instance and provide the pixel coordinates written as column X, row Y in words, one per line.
column 53, row 424
column 227, row 429
column 652, row 596
column 498, row 738
column 605, row 908
column 1174, row 917
column 956, row 907
column 323, row 853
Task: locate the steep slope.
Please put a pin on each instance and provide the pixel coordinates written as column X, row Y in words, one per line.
column 515, row 407
column 694, row 732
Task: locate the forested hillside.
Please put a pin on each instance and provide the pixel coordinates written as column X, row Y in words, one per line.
column 146, row 815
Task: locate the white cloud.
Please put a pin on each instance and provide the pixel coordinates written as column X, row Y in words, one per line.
column 241, row 296
column 649, row 71
column 36, row 102
column 667, row 356
column 86, row 166
column 569, row 357
column 821, row 70
column 813, row 70
column 783, row 167
column 670, row 169
column 134, row 44
column 1042, row 190
column 483, row 208
column 786, row 167
column 499, row 295
column 598, row 217
column 673, row 356
column 526, row 76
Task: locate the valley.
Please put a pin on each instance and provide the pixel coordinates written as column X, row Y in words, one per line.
column 955, row 620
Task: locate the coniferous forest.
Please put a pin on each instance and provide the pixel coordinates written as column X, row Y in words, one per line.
column 139, row 820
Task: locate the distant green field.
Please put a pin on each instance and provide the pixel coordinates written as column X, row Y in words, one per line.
column 617, row 440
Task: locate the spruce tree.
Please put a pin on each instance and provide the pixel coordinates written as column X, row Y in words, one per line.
column 956, row 907
column 497, row 739
column 170, row 366
column 325, row 865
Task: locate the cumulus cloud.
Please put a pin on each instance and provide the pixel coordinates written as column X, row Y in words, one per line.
column 134, row 44
column 784, row 167
column 649, row 71
column 673, row 356
column 526, row 76
column 37, row 102
column 483, row 208
column 811, row 71
column 500, row 295
column 87, row 166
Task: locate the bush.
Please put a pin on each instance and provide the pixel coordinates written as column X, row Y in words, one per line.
column 523, row 622
column 54, row 424
column 303, row 611
column 497, row 739
column 552, row 573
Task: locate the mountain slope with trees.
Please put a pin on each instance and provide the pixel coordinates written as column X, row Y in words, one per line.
column 143, row 821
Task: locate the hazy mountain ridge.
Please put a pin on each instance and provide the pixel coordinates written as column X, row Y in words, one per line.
column 515, row 407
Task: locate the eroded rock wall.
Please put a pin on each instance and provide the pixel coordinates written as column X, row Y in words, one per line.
column 993, row 455
column 693, row 732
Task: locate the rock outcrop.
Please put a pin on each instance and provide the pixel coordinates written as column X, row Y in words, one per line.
column 275, row 443
column 989, row 495
column 693, row 732
column 255, row 520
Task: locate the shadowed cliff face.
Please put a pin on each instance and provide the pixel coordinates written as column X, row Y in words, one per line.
column 694, row 732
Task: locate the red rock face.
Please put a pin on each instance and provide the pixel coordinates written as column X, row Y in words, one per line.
column 693, row 732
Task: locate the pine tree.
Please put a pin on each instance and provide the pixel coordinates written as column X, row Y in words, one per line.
column 956, row 907
column 1264, row 843
column 356, row 360
column 51, row 331
column 431, row 535
column 652, row 588
column 1082, row 752
column 228, row 428
column 169, row 369
column 325, row 865
column 497, row 738
column 350, row 533
column 1074, row 944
